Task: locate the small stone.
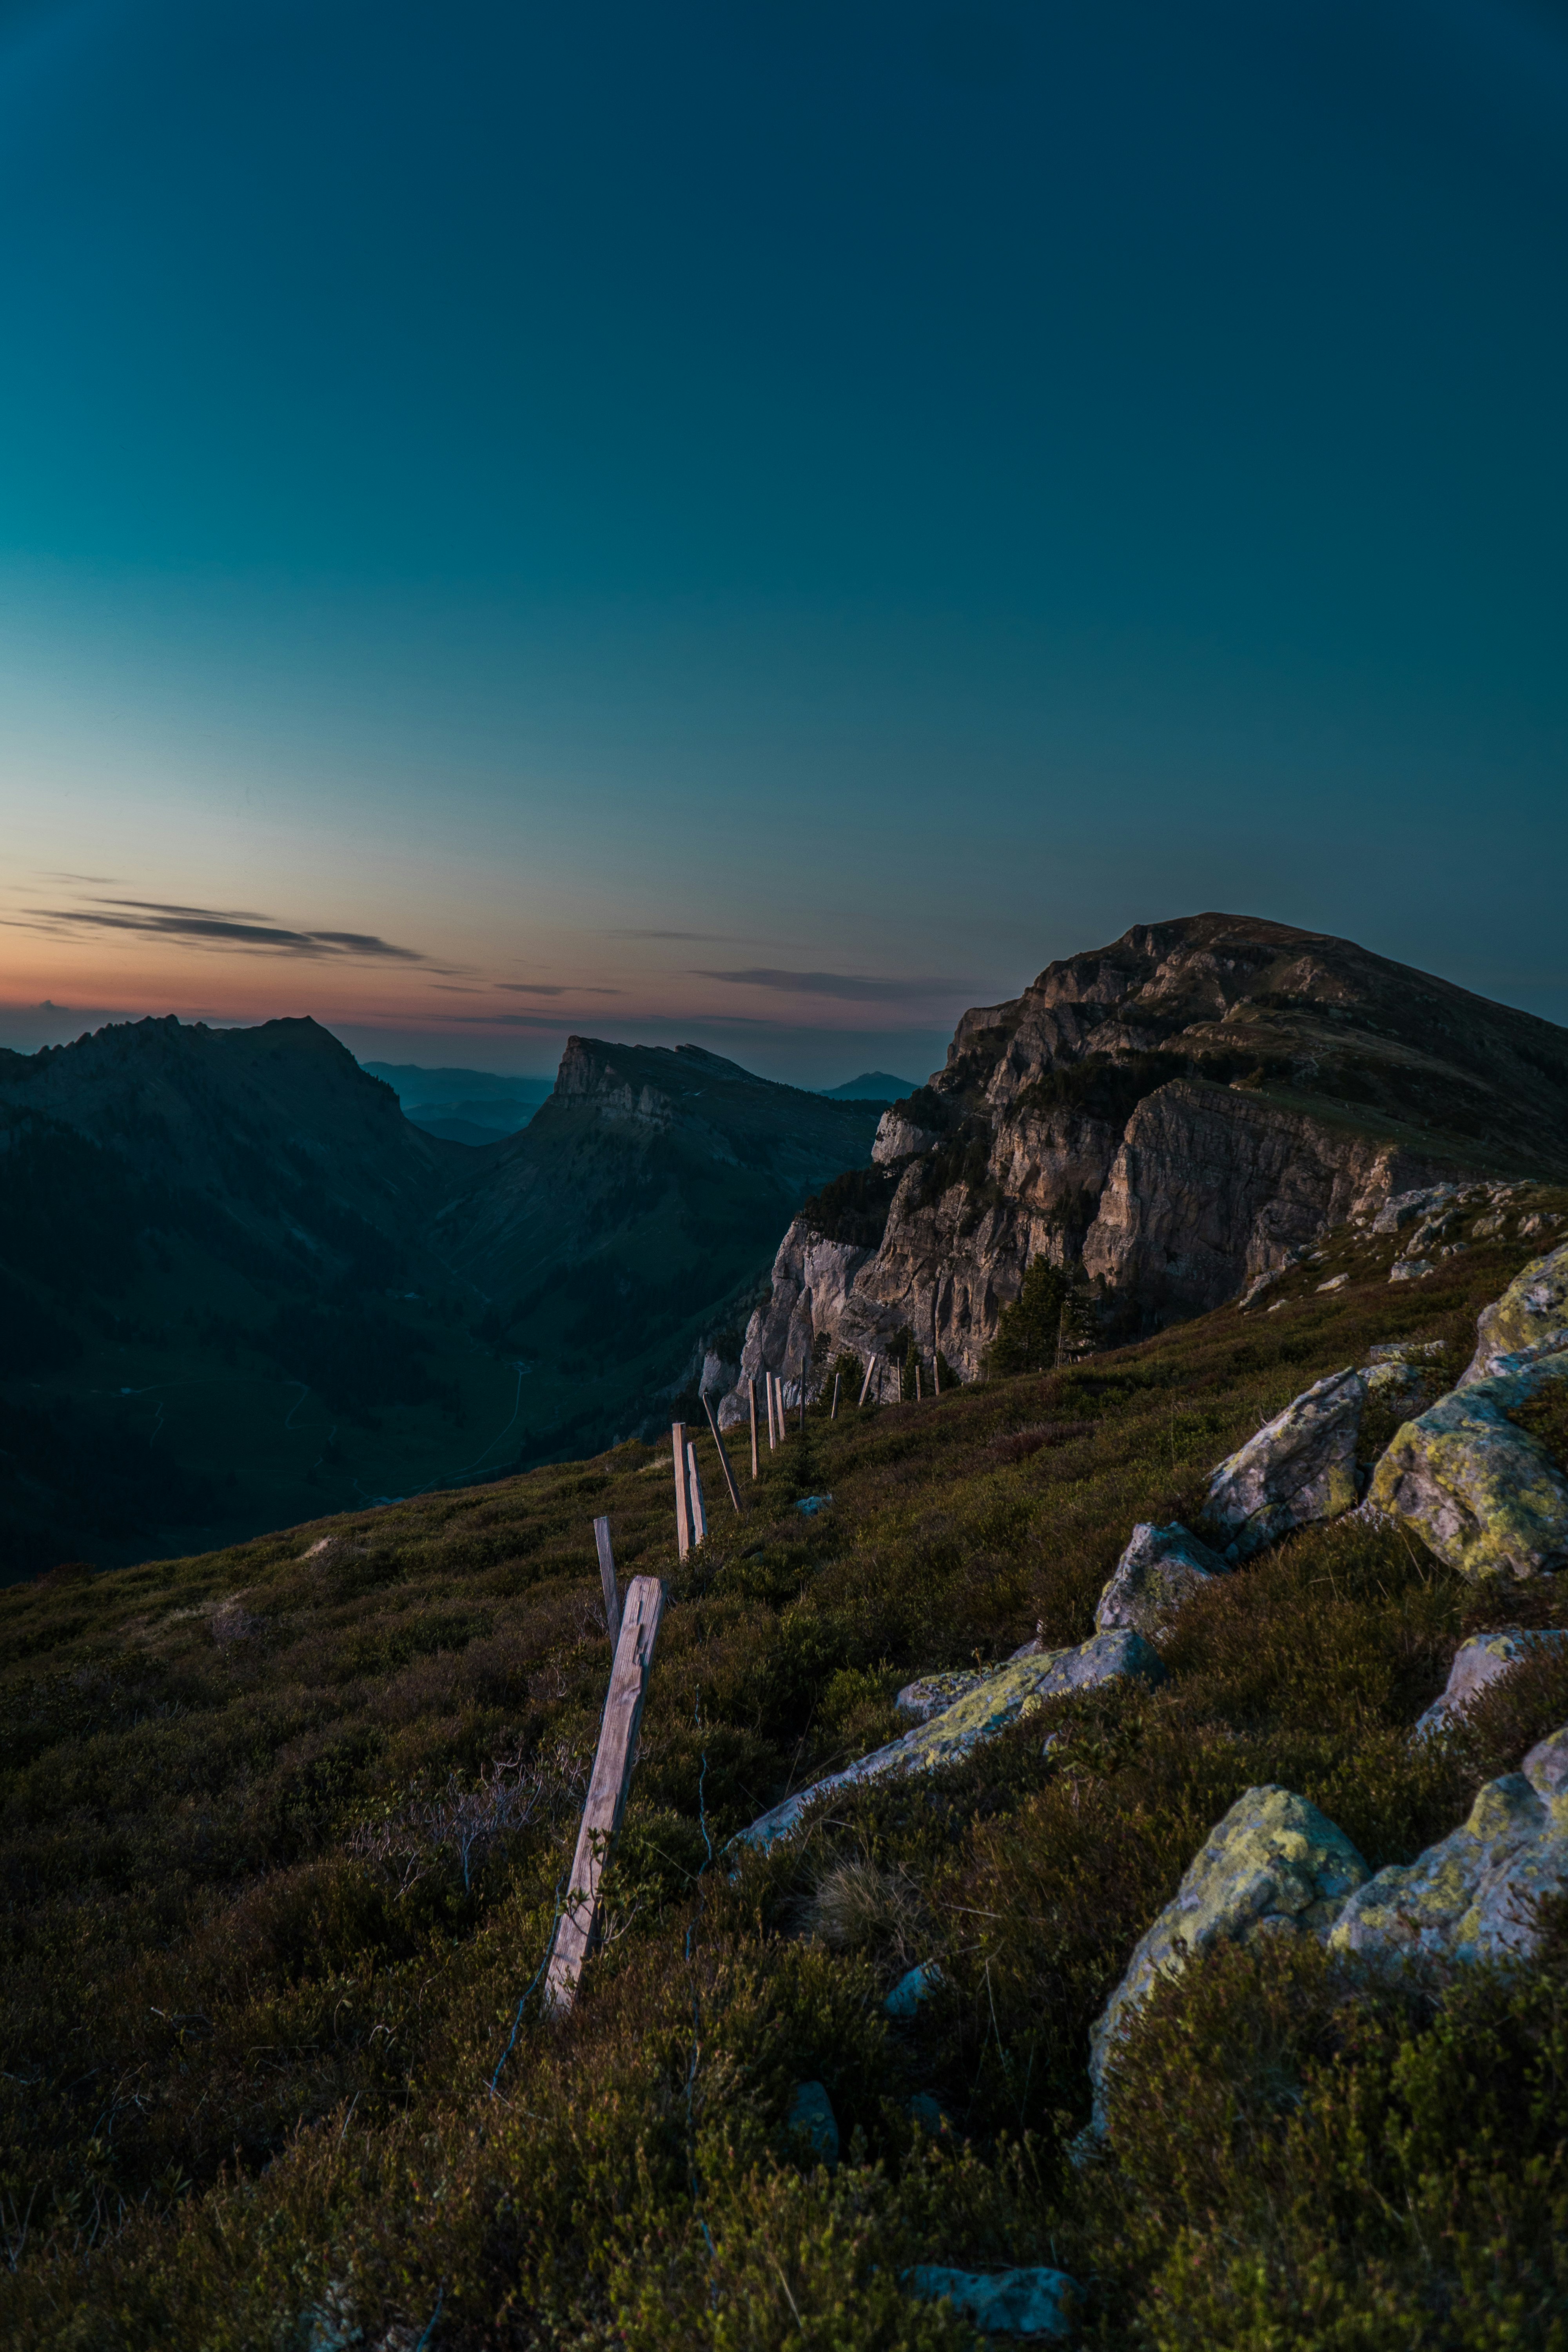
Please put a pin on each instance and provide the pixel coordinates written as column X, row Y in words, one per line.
column 1160, row 1568
column 1477, row 1663
column 1300, row 1467
column 1335, row 1282
column 911, row 1989
column 811, row 2112
column 1002, row 2303
column 1409, row 1269
column 927, row 2111
column 812, row 1504
column 1273, row 1864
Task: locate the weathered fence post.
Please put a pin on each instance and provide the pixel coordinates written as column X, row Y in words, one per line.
column 804, row 1378
column 608, row 1577
column 616, row 1754
column 918, row 1399
column 694, row 1484
column 935, row 1372
column 870, row 1368
column 752, row 1400
column 682, row 1518
column 723, row 1458
column 832, row 1408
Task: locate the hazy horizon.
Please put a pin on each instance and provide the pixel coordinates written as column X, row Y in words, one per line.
column 769, row 529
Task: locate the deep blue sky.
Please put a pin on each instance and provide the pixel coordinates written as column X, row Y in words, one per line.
column 767, row 524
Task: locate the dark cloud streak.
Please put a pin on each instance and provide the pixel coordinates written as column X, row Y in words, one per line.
column 843, row 984
column 212, row 927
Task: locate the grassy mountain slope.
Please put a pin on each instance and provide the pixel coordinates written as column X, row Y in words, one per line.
column 284, row 1831
column 636, row 1214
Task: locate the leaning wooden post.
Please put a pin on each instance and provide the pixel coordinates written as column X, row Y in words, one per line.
column 694, row 1487
column 935, row 1372
column 617, row 1752
column 751, row 1399
column 608, row 1577
column 917, row 1379
column 682, row 1518
column 832, row 1408
column 723, row 1458
column 870, row 1368
column 773, row 1412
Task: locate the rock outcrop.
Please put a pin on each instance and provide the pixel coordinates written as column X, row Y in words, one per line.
column 1529, row 1320
column 988, row 1705
column 1483, row 1494
column 1473, row 1897
column 1161, row 1568
column 1180, row 1113
column 1274, row 1865
column 1479, row 1662
column 1299, row 1468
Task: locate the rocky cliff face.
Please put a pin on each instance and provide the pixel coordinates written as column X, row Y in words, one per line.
column 1176, row 1113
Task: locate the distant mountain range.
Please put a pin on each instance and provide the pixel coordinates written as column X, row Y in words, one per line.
column 871, row 1086
column 473, row 1106
column 239, row 1286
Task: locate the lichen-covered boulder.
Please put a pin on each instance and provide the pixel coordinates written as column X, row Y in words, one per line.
column 1405, row 1207
column 1301, row 1466
column 1160, row 1568
column 1002, row 2303
column 998, row 1699
column 1274, row 1865
column 1473, row 1897
column 1529, row 1319
column 1479, row 1661
column 934, row 1693
column 1481, row 1492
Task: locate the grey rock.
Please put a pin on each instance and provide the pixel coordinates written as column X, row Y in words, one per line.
column 1409, row 1269
column 1479, row 1661
column 986, row 1706
column 1529, row 1320
column 1274, row 1865
column 897, row 1137
column 1300, row 1467
column 1160, row 1568
column 1405, row 1207
column 1002, row 2303
column 1335, row 1282
column 927, row 2110
column 1472, row 1896
column 811, row 2112
column 1479, row 1491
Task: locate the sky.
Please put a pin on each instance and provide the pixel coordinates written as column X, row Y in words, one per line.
column 767, row 525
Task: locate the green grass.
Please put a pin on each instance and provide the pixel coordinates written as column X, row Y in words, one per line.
column 283, row 1832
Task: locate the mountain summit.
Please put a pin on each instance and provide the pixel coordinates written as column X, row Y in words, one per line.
column 1172, row 1114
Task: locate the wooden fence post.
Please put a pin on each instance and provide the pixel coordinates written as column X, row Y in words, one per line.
column 804, row 1378
column 774, row 1438
column 751, row 1398
column 833, row 1409
column 723, row 1458
column 616, row 1754
column 607, row 1577
column 682, row 1519
column 936, row 1373
column 870, row 1368
column 917, row 1379
column 694, row 1484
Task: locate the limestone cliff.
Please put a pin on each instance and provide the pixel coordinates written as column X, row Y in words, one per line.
column 1177, row 1112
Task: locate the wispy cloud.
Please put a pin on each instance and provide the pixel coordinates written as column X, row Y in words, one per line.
column 845, row 985
column 216, row 926
column 550, row 988
column 710, row 939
